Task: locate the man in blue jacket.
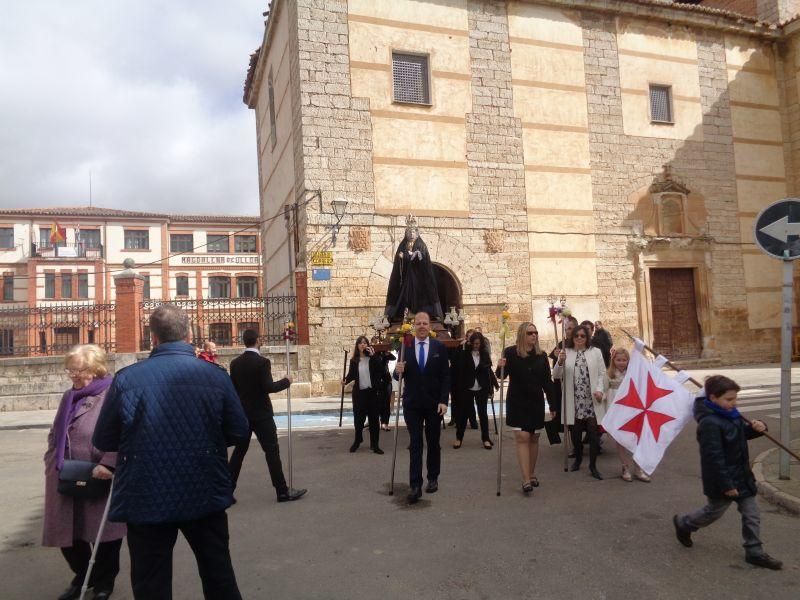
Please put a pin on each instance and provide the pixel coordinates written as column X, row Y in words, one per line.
column 426, row 377
column 171, row 419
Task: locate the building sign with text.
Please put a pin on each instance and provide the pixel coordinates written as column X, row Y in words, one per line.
column 215, row 260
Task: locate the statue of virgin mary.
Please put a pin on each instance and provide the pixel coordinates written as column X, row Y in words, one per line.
column 412, row 284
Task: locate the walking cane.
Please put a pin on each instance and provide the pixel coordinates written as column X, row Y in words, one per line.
column 567, row 439
column 85, row 585
column 398, row 399
column 701, row 386
column 503, row 331
column 344, row 374
column 287, row 336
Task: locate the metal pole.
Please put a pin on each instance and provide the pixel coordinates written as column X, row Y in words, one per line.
column 786, row 364
column 344, row 374
column 500, row 408
column 100, row 530
column 289, row 411
column 564, row 395
column 397, row 400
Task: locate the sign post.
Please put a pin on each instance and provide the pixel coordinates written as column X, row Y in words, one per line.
column 777, row 233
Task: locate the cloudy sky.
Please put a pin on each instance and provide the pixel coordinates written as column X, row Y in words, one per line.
column 145, row 95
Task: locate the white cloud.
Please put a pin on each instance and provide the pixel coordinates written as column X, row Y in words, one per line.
column 146, row 95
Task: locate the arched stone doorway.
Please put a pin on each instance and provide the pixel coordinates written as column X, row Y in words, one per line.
column 449, row 289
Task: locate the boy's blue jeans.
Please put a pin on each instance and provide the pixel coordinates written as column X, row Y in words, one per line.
column 716, row 507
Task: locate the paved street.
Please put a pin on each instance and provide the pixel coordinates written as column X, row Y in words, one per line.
column 575, row 538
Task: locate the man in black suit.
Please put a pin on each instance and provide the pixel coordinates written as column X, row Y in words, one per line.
column 252, row 377
column 426, row 377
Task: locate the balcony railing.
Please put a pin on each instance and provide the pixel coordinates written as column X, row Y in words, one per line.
column 66, row 251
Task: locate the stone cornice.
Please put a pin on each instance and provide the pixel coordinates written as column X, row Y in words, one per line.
column 677, row 14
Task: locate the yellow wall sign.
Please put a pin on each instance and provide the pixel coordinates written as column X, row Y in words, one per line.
column 322, row 258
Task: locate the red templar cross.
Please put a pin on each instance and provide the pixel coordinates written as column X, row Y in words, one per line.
column 655, row 419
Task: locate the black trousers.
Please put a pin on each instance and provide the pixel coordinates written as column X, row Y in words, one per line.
column 106, row 563
column 386, row 405
column 419, row 420
column 469, row 399
column 367, row 405
column 590, row 427
column 267, row 435
column 151, row 548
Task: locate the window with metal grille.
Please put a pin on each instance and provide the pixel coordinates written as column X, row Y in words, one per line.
column 7, row 342
column 220, row 333
column 244, row 243
column 137, row 239
column 181, row 242
column 217, row 243
column 182, row 285
column 410, row 78
column 661, row 104
column 146, row 287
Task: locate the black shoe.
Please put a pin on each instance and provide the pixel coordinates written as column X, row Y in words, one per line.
column 527, row 488
column 415, row 494
column 290, row 495
column 377, row 450
column 71, row 593
column 571, row 455
column 764, row 560
column 576, row 464
column 473, row 425
column 355, row 446
column 432, row 487
column 684, row 535
column 595, row 473
column 102, row 595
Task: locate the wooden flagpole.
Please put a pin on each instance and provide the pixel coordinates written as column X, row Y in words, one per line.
column 672, row 366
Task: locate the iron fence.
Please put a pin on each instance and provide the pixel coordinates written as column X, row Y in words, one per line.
column 223, row 320
column 62, row 250
column 55, row 328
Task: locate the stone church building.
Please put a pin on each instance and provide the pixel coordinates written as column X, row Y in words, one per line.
column 615, row 152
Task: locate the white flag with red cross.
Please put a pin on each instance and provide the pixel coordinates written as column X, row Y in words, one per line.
column 649, row 410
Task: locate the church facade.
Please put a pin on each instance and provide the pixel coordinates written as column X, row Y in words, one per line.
column 615, row 153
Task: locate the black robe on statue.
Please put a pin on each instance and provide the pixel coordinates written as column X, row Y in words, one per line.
column 412, row 284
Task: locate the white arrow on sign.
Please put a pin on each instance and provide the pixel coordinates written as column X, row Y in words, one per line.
column 781, row 229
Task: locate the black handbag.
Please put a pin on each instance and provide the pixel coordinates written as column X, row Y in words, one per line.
column 75, row 479
column 552, row 428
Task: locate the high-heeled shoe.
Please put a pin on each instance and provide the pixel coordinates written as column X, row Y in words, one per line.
column 527, row 488
column 576, row 464
column 595, row 473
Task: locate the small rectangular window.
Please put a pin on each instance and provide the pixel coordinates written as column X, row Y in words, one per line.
column 146, row 287
column 137, row 239
column 410, row 78
column 49, row 285
column 181, row 242
column 6, row 237
column 273, row 136
column 6, row 342
column 217, row 243
column 182, row 285
column 661, row 104
column 244, row 243
column 220, row 333
column 8, row 288
column 66, row 285
column 83, row 285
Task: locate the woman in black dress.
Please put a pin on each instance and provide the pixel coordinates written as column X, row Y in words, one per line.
column 475, row 382
column 528, row 370
column 367, row 369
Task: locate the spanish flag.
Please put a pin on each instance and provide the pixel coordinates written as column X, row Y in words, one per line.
column 57, row 233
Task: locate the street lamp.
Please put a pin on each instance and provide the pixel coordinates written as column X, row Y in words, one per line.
column 339, row 208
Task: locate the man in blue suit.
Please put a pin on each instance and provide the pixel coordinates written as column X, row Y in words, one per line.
column 426, row 377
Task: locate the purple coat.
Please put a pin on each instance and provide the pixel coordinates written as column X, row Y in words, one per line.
column 66, row 518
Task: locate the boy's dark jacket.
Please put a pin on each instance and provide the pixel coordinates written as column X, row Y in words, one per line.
column 724, row 458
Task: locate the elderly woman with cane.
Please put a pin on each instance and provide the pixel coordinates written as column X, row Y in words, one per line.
column 528, row 370
column 71, row 523
column 582, row 372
